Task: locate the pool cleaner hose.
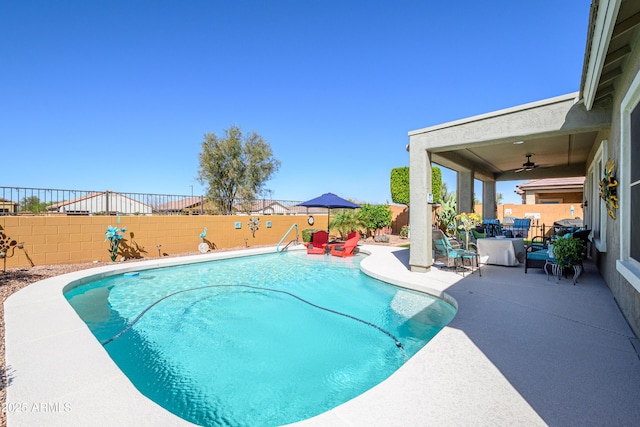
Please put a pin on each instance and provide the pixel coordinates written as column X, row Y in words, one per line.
column 130, row 325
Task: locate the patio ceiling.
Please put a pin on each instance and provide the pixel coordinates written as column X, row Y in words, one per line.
column 559, row 133
column 555, row 156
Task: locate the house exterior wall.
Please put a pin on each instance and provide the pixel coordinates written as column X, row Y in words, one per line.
column 560, row 197
column 7, row 206
column 626, row 295
column 77, row 239
column 106, row 202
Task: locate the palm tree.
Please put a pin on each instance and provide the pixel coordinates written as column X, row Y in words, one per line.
column 346, row 221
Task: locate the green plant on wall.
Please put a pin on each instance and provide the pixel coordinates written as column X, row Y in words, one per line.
column 114, row 237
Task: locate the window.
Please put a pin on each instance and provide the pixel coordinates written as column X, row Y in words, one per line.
column 628, row 263
column 597, row 211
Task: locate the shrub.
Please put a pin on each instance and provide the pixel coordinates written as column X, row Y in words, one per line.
column 307, row 234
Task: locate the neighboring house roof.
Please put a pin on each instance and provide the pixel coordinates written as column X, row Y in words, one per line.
column 265, row 207
column 97, row 195
column 56, row 206
column 573, row 183
column 303, row 210
column 178, row 205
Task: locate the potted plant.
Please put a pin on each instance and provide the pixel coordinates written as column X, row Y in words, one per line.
column 567, row 250
column 468, row 221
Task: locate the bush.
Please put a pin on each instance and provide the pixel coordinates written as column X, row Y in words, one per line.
column 375, row 217
column 404, row 232
column 307, row 234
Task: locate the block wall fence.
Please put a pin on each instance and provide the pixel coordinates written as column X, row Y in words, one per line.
column 79, row 239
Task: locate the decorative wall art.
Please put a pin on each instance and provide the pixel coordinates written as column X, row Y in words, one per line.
column 609, row 188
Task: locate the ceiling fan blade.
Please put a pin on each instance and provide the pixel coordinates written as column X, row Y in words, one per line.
column 519, row 170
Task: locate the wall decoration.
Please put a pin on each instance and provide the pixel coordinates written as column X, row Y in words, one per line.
column 254, row 225
column 238, row 225
column 609, row 188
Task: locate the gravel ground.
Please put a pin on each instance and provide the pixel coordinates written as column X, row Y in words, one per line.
column 14, row 279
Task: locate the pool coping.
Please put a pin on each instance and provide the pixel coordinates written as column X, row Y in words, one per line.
column 452, row 380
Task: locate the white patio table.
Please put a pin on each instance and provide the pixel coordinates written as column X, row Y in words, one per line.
column 506, row 251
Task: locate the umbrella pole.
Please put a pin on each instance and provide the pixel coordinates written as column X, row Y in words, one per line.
column 328, row 222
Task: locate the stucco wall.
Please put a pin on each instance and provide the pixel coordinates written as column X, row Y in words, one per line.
column 627, row 297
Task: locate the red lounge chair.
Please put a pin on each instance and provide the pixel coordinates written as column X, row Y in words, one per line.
column 318, row 243
column 347, row 248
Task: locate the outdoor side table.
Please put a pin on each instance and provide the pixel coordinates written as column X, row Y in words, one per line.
column 556, row 270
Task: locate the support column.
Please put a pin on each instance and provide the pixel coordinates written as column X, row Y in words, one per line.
column 420, row 258
column 489, row 206
column 464, row 193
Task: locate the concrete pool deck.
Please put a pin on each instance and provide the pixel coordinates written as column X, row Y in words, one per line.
column 521, row 350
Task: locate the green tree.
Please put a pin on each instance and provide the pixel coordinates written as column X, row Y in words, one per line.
column 235, row 166
column 400, row 185
column 499, row 198
column 375, row 217
column 32, row 204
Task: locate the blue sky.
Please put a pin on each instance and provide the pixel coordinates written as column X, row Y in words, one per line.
column 117, row 95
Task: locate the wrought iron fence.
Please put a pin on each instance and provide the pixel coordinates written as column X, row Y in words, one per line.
column 49, row 201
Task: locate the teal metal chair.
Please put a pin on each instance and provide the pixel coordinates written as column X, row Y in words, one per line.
column 453, row 256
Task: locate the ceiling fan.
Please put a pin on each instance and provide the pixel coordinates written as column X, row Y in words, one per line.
column 528, row 165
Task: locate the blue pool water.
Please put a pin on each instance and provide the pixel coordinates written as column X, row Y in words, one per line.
column 263, row 340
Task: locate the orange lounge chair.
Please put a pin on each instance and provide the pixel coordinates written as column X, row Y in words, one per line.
column 347, row 248
column 318, row 243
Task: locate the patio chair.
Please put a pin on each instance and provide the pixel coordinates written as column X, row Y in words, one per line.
column 347, row 248
column 318, row 244
column 537, row 253
column 445, row 251
column 492, row 227
column 521, row 227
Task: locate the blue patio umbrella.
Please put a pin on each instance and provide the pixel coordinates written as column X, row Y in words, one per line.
column 329, row 201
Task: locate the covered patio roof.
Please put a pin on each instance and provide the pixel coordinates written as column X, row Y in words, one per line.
column 559, row 133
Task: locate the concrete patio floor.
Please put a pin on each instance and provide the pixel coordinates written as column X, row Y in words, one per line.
column 521, row 350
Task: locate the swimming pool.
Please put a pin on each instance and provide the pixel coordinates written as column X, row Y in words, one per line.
column 233, row 378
